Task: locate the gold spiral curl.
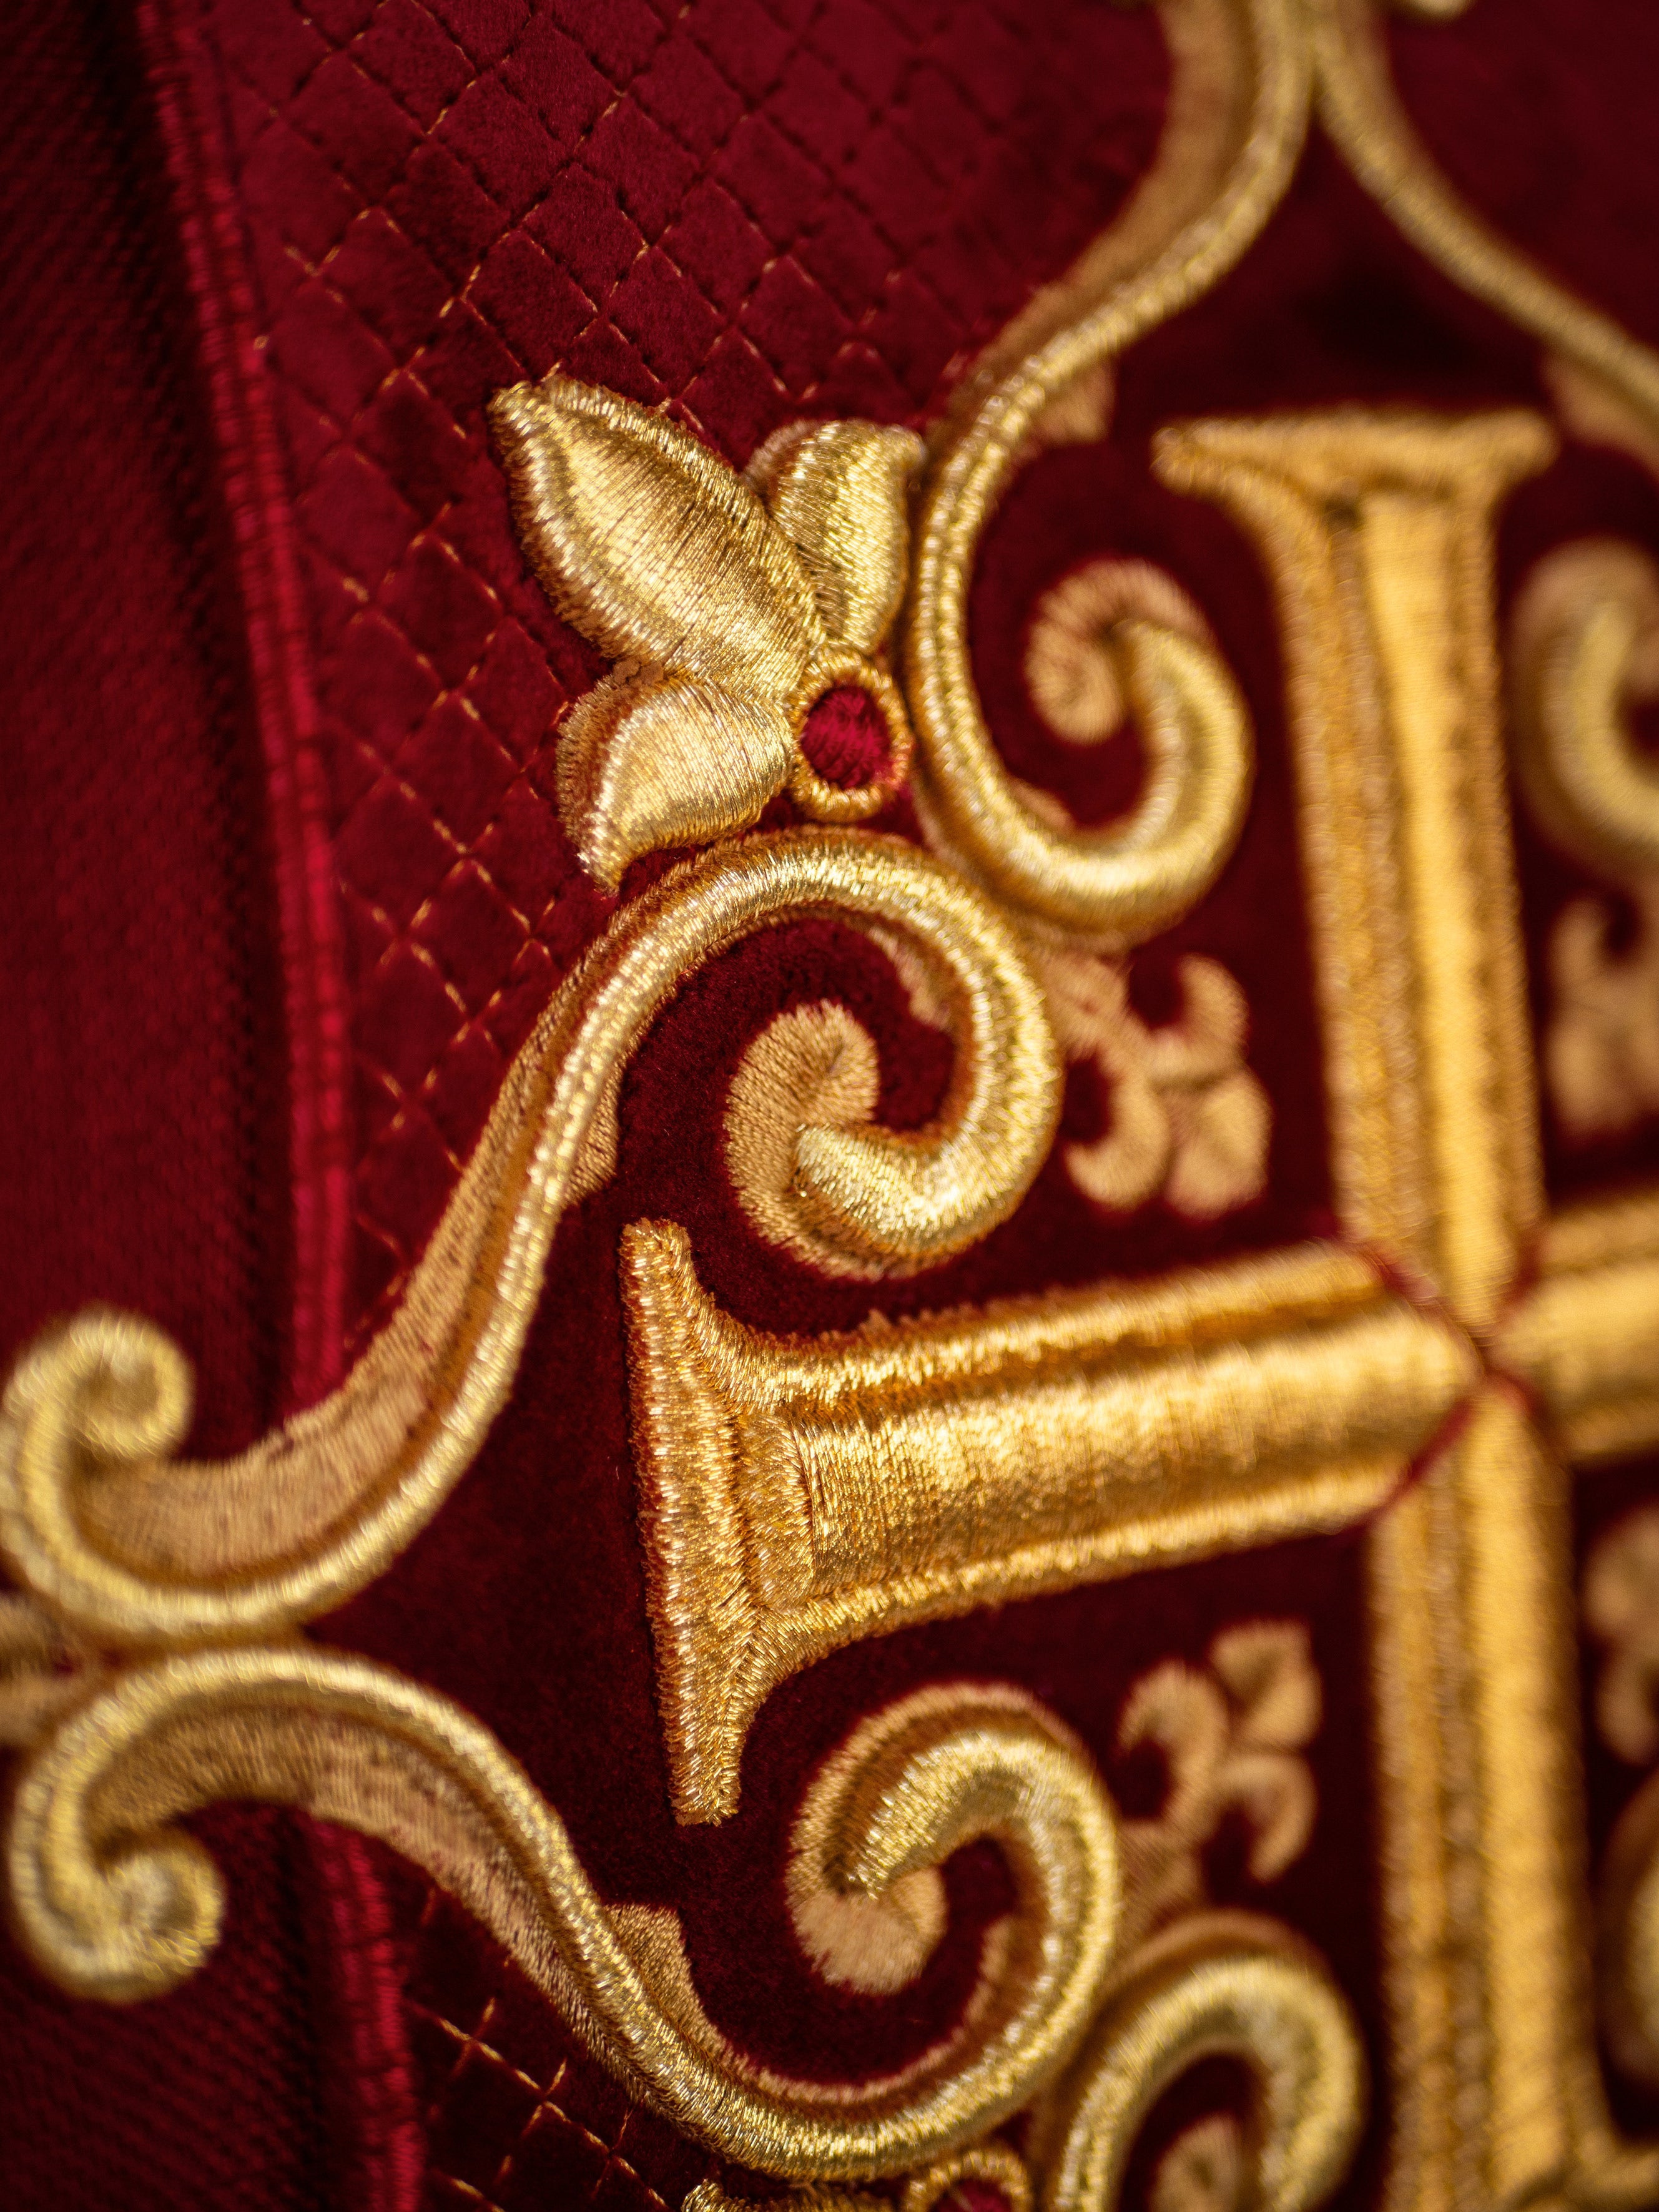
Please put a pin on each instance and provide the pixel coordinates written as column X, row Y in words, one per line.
column 1235, row 117
column 112, row 1904
column 929, row 1774
column 1220, row 1984
column 1584, row 645
column 111, row 1532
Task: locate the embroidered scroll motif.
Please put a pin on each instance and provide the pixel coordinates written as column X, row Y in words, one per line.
column 1187, row 1120
column 1584, row 648
column 1426, row 1374
column 43, row 1670
column 1621, row 1612
column 1203, row 2170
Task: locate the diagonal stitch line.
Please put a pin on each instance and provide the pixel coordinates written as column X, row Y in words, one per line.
column 547, row 2101
column 704, row 164
column 712, row 154
column 795, row 43
column 421, row 950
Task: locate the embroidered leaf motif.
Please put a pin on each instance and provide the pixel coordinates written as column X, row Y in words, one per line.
column 727, row 621
column 650, row 545
column 646, row 763
column 1230, row 1738
column 1188, row 1119
column 1601, row 1052
column 837, row 491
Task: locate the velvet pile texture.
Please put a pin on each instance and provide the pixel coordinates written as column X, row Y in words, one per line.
column 283, row 888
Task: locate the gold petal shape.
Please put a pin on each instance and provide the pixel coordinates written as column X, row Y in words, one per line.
column 838, row 491
column 666, row 762
column 651, row 546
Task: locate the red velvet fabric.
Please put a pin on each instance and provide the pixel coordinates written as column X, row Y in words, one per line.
column 142, row 1116
column 284, row 888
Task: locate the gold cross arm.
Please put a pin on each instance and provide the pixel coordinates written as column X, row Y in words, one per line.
column 1585, row 1340
column 795, row 1496
column 798, row 1495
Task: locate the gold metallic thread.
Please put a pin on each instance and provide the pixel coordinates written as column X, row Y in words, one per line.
column 797, row 1495
column 1358, row 108
column 1621, row 1612
column 1584, row 648
column 1217, row 1983
column 1627, row 1948
column 1189, row 1121
column 138, row 1546
column 1377, row 529
column 1583, row 1340
column 1074, row 654
column 935, row 2184
column 1230, row 1738
column 112, row 1901
column 1290, row 1391
column 1206, row 2169
column 729, row 603
column 1234, row 123
column 1377, row 532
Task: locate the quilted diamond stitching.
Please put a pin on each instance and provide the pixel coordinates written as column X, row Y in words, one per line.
column 516, row 2117
column 567, row 154
column 744, row 209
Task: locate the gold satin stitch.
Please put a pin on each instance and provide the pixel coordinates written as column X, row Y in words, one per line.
column 1583, row 645
column 729, row 603
column 797, row 1495
column 1307, row 1381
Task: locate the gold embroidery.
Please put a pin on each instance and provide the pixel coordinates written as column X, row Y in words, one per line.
column 838, row 492
column 1584, row 643
column 1583, row 1340
column 1216, row 1982
column 1203, row 2170
column 114, row 1902
column 138, row 1546
column 1621, row 1610
column 1229, row 1738
column 814, row 1067
column 1599, row 414
column 1187, row 1117
column 1603, row 1047
column 1378, row 533
column 1189, row 1120
column 726, row 621
column 43, row 1671
column 1075, row 656
column 1627, row 1952
column 1358, row 108
column 935, row 2185
column 796, row 1495
column 867, row 1904
column 1236, row 115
